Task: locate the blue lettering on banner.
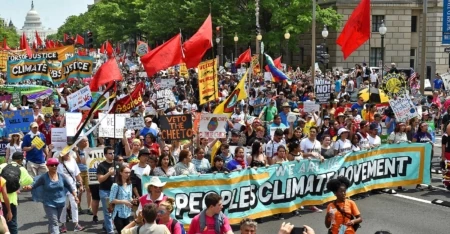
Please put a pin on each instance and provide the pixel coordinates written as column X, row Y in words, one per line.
column 446, row 23
column 18, row 121
column 257, row 193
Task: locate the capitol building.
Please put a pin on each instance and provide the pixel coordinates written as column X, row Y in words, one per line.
column 33, row 24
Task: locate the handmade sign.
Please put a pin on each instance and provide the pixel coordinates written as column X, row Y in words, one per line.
column 167, row 83
column 213, row 126
column 72, row 122
column 322, row 90
column 163, row 98
column 130, row 101
column 394, row 85
column 59, row 138
column 77, row 67
column 134, row 123
column 310, row 107
column 37, row 142
column 176, row 127
column 403, row 108
column 94, row 157
column 18, row 121
column 27, row 69
column 263, row 192
column 79, row 98
column 142, row 48
column 183, row 70
column 207, row 81
column 110, row 123
column 47, row 110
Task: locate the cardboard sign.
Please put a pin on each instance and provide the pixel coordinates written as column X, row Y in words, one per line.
column 59, row 138
column 38, row 142
column 213, row 126
column 18, row 121
column 94, row 157
column 167, row 83
column 72, row 122
column 112, row 126
column 403, row 108
column 163, row 97
column 134, row 123
column 309, row 107
column 79, row 98
column 47, row 110
column 176, row 127
column 322, row 90
column 207, row 81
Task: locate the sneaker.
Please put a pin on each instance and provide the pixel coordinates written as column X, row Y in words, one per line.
column 315, row 209
column 419, row 187
column 400, row 188
column 95, row 219
column 89, row 212
column 81, row 211
column 78, row 228
column 431, row 188
column 63, row 229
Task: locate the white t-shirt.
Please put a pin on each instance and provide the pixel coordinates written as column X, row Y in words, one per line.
column 272, row 148
column 72, row 166
column 13, row 149
column 373, row 78
column 364, row 142
column 374, row 141
column 343, row 146
column 139, row 171
column 307, row 146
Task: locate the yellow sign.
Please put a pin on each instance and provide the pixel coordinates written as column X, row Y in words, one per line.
column 38, row 142
column 47, row 110
column 183, row 70
column 207, row 81
column 394, row 85
column 52, row 54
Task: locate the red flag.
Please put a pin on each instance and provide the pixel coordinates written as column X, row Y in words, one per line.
column 118, row 48
column 24, row 45
column 5, row 44
column 197, row 45
column 108, row 72
column 52, row 44
column 38, row 39
column 82, row 52
column 102, row 49
column 163, row 56
column 276, row 62
column 79, row 40
column 109, row 49
column 66, row 37
column 34, row 45
column 245, row 57
column 357, row 29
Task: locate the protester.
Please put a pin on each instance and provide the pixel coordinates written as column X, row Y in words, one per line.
column 202, row 164
column 139, row 170
column 185, row 166
column 154, row 193
column 218, row 166
column 105, row 176
column 148, row 221
column 164, row 167
column 121, row 196
column 164, row 210
column 35, row 156
column 239, row 162
column 14, row 145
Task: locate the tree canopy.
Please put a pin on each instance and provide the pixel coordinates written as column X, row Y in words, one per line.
column 156, row 21
column 11, row 36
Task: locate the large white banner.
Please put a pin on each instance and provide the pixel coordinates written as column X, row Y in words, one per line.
column 108, row 125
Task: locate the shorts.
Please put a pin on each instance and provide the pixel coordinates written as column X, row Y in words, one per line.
column 95, row 191
column 84, row 178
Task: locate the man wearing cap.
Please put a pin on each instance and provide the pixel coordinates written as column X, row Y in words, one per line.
column 148, row 127
column 284, row 114
column 46, row 128
column 25, row 180
column 35, row 157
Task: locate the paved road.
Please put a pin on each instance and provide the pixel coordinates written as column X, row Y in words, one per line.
column 407, row 212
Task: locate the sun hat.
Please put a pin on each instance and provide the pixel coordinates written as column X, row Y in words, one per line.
column 155, row 181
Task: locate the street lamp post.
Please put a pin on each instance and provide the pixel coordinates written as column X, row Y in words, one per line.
column 287, row 35
column 382, row 30
column 236, row 39
column 325, row 35
column 258, row 42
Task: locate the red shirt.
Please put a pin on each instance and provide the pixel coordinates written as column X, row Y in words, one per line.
column 47, row 131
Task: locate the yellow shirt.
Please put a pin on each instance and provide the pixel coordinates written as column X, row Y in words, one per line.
column 25, row 179
column 308, row 125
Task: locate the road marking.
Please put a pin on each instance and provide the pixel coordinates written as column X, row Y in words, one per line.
column 436, row 187
column 412, row 198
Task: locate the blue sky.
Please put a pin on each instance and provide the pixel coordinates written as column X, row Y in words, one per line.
column 53, row 12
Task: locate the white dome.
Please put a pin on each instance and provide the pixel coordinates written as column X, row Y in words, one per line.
column 32, row 20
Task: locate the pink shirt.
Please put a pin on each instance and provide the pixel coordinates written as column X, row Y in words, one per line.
column 194, row 228
column 176, row 229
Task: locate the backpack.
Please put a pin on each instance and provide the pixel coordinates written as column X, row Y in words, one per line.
column 12, row 176
column 172, row 227
column 367, row 71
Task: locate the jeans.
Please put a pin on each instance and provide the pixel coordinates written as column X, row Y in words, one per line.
column 74, row 210
column 120, row 223
column 107, row 220
column 12, row 225
column 53, row 213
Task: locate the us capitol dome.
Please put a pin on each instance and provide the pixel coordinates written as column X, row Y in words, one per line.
column 33, row 24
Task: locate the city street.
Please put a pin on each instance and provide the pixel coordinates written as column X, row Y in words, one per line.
column 404, row 213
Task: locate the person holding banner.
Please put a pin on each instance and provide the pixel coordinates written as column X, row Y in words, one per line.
column 257, row 157
column 343, row 145
column 185, row 166
column 238, row 163
column 154, row 194
column 218, row 166
column 202, row 164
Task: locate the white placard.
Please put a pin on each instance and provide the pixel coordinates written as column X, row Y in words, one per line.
column 267, row 76
column 107, row 126
column 213, row 126
column 310, row 107
column 163, row 97
column 79, row 98
column 59, row 138
column 291, row 118
column 142, row 74
column 134, row 123
column 403, row 108
column 72, row 122
column 167, row 83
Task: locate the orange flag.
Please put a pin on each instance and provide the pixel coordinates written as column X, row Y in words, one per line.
column 109, row 71
column 245, row 57
column 197, row 45
column 357, row 29
column 163, row 56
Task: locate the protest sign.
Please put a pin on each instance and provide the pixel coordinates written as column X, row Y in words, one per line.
column 79, row 98
column 15, row 100
column 95, row 97
column 132, row 100
column 26, row 69
column 77, row 67
column 50, row 54
column 59, row 138
column 183, row 70
column 94, row 157
column 72, row 122
column 142, row 48
column 310, row 107
column 263, row 192
column 403, row 108
column 167, row 83
column 213, row 126
column 47, row 110
column 111, row 122
column 207, row 81
column 18, row 121
column 55, row 72
column 176, row 127
column 322, row 89
column 38, row 142
column 134, row 123
column 163, row 98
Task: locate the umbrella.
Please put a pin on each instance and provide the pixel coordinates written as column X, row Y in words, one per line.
column 376, row 95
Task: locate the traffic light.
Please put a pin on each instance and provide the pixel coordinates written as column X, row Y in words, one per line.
column 90, row 40
column 321, row 54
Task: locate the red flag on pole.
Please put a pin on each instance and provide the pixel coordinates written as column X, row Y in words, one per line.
column 108, row 72
column 118, row 48
column 102, row 49
column 357, row 29
column 276, row 62
column 109, row 49
column 24, row 45
column 245, row 57
column 38, row 39
column 5, row 44
column 66, row 37
column 197, row 45
column 34, row 45
column 79, row 40
column 163, row 56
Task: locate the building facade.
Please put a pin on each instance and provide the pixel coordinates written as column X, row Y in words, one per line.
column 402, row 42
column 33, row 24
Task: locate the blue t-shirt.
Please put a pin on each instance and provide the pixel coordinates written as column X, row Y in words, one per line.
column 359, row 107
column 146, row 130
column 283, row 117
column 438, row 83
column 35, row 155
column 392, row 127
column 337, row 86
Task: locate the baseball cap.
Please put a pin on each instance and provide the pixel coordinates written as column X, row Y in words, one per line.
column 373, row 126
column 34, row 125
column 17, row 156
column 52, row 161
column 144, row 152
column 342, row 130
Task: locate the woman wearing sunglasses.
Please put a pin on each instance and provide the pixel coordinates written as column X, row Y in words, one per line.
column 164, row 210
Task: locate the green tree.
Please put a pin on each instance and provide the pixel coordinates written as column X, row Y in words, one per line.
column 12, row 38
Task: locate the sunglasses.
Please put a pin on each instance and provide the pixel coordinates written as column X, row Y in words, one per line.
column 52, row 165
column 161, row 212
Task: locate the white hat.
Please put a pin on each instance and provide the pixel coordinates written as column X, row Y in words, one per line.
column 155, row 181
column 342, row 130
